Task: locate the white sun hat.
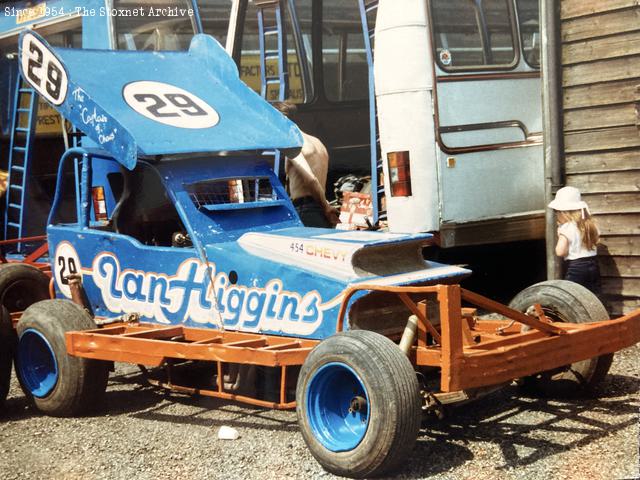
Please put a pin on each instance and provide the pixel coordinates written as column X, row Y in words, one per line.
column 568, row 198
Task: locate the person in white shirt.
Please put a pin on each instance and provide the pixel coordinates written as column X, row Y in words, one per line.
column 578, row 237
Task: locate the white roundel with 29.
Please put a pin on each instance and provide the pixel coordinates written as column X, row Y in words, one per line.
column 170, row 105
column 66, row 262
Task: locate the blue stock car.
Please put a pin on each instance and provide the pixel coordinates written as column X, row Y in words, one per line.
column 170, row 231
column 171, row 211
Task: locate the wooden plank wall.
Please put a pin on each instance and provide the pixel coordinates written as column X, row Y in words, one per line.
column 601, row 77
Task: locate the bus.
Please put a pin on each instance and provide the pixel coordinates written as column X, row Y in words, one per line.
column 455, row 90
column 438, row 102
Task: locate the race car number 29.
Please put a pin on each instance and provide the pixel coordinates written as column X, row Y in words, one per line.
column 171, row 105
column 43, row 70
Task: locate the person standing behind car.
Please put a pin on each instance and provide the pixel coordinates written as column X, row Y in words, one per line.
column 578, row 237
column 307, row 178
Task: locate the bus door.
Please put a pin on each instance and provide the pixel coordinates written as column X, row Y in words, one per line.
column 328, row 74
column 488, row 119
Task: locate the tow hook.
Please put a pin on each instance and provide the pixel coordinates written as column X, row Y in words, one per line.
column 432, row 405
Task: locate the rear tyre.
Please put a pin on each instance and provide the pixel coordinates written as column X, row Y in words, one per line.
column 565, row 301
column 358, row 404
column 21, row 286
column 7, row 349
column 60, row 385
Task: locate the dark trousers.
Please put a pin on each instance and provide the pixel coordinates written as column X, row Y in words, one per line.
column 586, row 272
column 311, row 213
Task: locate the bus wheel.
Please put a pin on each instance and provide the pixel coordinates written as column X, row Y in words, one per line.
column 358, row 404
column 22, row 285
column 7, row 347
column 564, row 301
column 59, row 384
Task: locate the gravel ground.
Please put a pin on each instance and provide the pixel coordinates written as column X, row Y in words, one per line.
column 144, row 433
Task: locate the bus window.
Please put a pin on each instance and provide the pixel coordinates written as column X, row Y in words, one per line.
column 300, row 88
column 215, row 18
column 344, row 60
column 529, row 22
column 153, row 32
column 473, row 34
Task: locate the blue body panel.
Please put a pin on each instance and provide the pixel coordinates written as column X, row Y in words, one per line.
column 244, row 120
column 269, row 273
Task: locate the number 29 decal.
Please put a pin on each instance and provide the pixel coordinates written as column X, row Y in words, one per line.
column 170, row 105
column 66, row 262
column 43, row 70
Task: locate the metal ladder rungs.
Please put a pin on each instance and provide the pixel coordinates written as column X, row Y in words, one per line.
column 25, row 105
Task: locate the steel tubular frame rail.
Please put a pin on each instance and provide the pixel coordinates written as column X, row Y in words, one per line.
column 475, row 353
column 470, row 352
column 150, row 345
column 33, row 257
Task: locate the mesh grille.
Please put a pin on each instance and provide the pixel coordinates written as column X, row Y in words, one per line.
column 230, row 191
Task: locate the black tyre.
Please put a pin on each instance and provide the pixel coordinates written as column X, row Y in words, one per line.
column 566, row 301
column 7, row 348
column 60, row 385
column 358, row 404
column 21, row 286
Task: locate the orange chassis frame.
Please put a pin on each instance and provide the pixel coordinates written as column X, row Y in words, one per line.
column 469, row 352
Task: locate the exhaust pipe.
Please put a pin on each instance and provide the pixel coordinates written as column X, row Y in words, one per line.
column 409, row 335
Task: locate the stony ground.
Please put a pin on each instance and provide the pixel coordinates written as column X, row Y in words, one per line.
column 147, row 434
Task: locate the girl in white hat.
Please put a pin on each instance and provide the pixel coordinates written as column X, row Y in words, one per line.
column 577, row 238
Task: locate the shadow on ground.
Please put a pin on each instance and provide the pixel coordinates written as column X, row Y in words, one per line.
column 517, row 423
column 525, row 429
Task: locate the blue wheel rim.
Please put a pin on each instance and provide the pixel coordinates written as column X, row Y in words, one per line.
column 332, row 393
column 37, row 363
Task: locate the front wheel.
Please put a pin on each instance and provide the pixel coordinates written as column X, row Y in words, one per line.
column 564, row 301
column 59, row 384
column 358, row 404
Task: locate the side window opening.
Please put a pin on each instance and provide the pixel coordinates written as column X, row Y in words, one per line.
column 215, row 18
column 529, row 23
column 155, row 30
column 301, row 89
column 146, row 212
column 67, row 211
column 345, row 68
column 473, row 33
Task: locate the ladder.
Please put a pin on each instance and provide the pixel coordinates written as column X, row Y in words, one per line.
column 368, row 10
column 22, row 137
column 273, row 46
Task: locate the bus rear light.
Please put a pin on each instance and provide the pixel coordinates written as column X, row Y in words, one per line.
column 99, row 204
column 399, row 174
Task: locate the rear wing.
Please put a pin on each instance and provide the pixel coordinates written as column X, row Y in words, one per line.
column 155, row 103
